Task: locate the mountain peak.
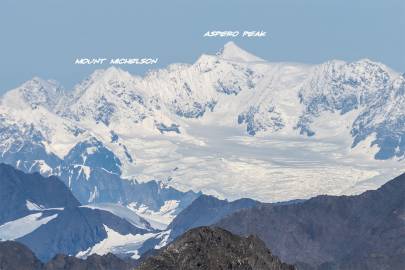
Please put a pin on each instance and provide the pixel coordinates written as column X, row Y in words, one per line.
column 35, row 92
column 114, row 70
column 111, row 72
column 233, row 52
column 96, row 82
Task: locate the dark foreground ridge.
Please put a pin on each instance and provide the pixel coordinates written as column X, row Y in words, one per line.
column 214, row 248
column 333, row 232
column 15, row 256
column 203, row 248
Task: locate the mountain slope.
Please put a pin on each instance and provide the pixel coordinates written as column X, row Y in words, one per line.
column 326, row 232
column 78, row 231
column 205, row 211
column 214, row 248
column 22, row 194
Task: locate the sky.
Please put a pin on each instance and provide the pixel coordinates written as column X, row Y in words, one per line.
column 44, row 37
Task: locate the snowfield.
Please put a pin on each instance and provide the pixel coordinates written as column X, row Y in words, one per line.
column 118, row 244
column 267, row 168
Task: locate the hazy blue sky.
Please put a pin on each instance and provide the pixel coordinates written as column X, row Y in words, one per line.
column 44, row 37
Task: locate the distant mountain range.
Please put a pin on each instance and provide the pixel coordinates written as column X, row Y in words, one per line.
column 227, row 111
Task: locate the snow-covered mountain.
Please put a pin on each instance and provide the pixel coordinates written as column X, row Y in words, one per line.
column 224, row 125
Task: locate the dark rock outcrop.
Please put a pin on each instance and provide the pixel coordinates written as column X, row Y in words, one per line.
column 93, row 262
column 214, row 248
column 15, row 256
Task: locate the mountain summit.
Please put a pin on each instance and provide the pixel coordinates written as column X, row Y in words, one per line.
column 35, row 92
column 231, row 51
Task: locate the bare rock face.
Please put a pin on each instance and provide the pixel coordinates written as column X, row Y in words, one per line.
column 214, row 248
